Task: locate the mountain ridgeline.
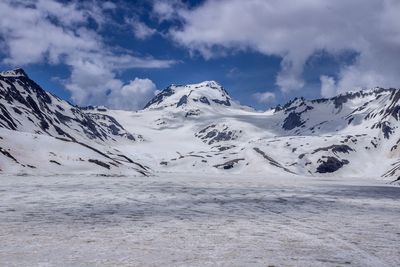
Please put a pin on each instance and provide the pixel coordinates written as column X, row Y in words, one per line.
column 27, row 111
column 199, row 128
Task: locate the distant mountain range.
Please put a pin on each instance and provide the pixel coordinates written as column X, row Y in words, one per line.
column 199, row 128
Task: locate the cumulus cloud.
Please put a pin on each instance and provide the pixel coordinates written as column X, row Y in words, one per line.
column 294, row 31
column 264, row 98
column 133, row 95
column 328, row 86
column 36, row 31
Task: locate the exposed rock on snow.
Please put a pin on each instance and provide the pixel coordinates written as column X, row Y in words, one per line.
column 228, row 165
column 217, row 133
column 331, row 164
column 25, row 107
column 200, row 128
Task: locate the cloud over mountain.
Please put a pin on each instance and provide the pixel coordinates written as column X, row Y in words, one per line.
column 97, row 48
column 48, row 31
column 295, row 31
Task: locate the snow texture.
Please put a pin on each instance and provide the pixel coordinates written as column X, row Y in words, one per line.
column 198, row 220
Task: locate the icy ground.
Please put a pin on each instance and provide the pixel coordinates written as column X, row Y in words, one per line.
column 175, row 220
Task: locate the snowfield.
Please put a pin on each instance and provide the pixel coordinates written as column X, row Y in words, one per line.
column 196, row 179
column 198, row 220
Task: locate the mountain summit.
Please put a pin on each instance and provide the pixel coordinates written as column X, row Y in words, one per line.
column 207, row 93
column 18, row 72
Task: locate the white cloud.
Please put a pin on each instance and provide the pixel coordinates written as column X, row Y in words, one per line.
column 265, row 97
column 93, row 80
column 133, row 95
column 109, row 5
column 167, row 9
column 294, row 31
column 66, row 12
column 140, row 29
column 36, row 31
column 328, row 86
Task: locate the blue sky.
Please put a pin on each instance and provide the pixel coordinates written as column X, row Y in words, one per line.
column 118, row 53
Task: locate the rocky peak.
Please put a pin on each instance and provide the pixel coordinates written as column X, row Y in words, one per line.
column 25, row 106
column 18, row 72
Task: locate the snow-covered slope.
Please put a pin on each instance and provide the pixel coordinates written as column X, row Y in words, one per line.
column 194, row 95
column 200, row 128
column 32, row 118
column 353, row 134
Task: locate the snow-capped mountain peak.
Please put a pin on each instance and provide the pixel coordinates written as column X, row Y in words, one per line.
column 207, row 93
column 211, row 84
column 18, row 72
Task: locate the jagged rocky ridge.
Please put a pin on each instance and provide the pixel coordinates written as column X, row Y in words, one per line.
column 200, row 128
column 25, row 107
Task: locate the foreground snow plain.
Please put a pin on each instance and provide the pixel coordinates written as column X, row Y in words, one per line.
column 192, row 220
